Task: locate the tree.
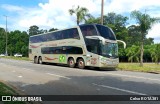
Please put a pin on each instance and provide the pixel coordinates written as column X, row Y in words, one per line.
column 145, row 23
column 93, row 20
column 81, row 14
column 117, row 19
column 53, row 29
column 2, row 40
column 134, row 35
column 18, row 42
column 155, row 53
column 133, row 53
column 34, row 30
column 148, row 41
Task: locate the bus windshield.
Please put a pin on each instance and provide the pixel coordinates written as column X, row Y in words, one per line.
column 94, row 45
column 105, row 32
column 109, row 50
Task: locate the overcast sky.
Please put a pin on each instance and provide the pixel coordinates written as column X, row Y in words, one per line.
column 47, row 14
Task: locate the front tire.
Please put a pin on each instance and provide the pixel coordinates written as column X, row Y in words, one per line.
column 81, row 64
column 71, row 63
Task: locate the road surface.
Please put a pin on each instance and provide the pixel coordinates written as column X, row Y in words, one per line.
column 35, row 79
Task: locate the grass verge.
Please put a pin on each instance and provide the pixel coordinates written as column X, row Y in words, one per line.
column 147, row 67
column 16, row 58
column 8, row 91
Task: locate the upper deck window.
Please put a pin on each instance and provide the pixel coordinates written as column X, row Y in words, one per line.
column 105, row 32
column 59, row 35
column 88, row 30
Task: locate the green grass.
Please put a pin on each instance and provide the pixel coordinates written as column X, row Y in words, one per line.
column 8, row 91
column 16, row 58
column 147, row 67
column 5, row 90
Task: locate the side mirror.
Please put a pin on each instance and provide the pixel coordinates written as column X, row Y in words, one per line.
column 124, row 44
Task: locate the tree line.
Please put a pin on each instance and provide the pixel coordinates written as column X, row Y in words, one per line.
column 139, row 47
column 17, row 41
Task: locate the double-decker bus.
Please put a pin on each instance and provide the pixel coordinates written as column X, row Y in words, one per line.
column 84, row 45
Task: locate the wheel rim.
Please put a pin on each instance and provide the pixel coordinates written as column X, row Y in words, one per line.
column 71, row 63
column 81, row 64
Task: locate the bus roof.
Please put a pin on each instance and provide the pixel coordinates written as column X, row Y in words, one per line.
column 53, row 31
column 68, row 28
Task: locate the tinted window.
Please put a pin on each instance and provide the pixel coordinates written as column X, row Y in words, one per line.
column 73, row 33
column 58, row 35
column 49, row 37
column 62, row 50
column 88, row 30
column 93, row 45
column 73, row 50
column 105, row 32
column 36, row 39
column 65, row 34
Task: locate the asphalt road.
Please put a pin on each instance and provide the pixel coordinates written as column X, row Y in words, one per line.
column 35, row 79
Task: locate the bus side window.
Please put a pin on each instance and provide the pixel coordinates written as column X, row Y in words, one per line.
column 62, row 35
column 57, row 35
column 70, row 33
column 52, row 36
column 75, row 34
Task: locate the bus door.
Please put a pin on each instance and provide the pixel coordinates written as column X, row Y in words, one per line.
column 93, row 48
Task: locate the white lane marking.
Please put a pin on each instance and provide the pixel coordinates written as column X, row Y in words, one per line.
column 123, row 90
column 58, row 75
column 23, row 85
column 132, row 76
column 28, row 69
column 20, row 76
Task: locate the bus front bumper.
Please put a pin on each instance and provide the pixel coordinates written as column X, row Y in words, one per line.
column 111, row 63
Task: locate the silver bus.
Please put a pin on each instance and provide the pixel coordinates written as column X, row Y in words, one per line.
column 92, row 45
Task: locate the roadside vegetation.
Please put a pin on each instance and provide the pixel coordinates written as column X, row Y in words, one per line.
column 7, row 91
column 147, row 67
column 16, row 58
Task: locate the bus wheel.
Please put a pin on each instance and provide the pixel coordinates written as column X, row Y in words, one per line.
column 40, row 60
column 81, row 64
column 71, row 63
column 35, row 60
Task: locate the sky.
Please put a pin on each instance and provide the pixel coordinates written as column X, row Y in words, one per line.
column 46, row 14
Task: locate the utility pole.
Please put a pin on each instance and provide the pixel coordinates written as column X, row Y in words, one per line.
column 102, row 12
column 6, row 37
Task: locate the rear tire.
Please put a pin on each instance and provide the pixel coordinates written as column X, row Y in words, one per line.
column 71, row 63
column 81, row 64
column 40, row 60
